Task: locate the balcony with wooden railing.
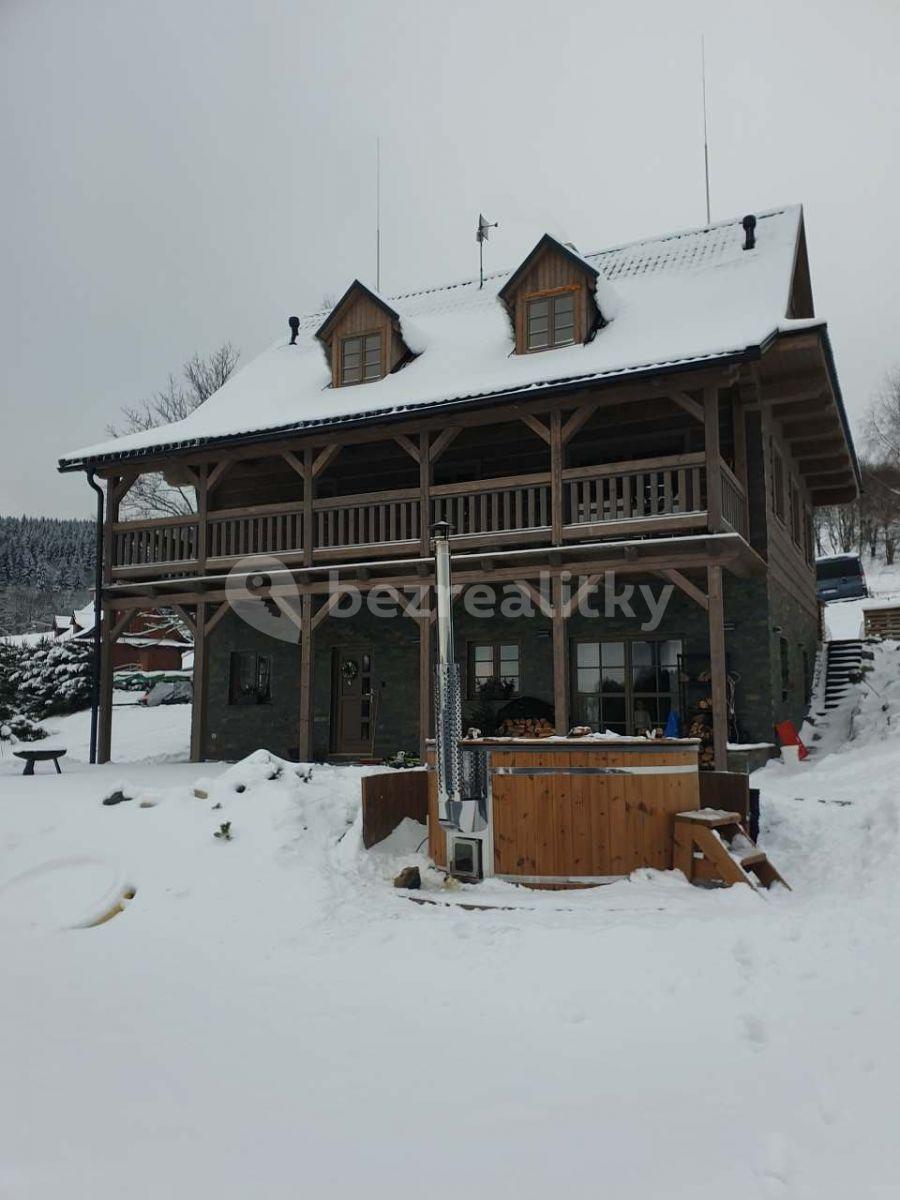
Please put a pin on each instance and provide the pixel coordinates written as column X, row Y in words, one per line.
column 644, row 498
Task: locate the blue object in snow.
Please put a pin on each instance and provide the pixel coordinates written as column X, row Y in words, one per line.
column 673, row 725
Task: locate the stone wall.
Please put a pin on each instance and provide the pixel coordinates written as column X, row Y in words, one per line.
column 235, row 730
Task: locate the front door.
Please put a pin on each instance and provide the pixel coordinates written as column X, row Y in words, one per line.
column 353, row 708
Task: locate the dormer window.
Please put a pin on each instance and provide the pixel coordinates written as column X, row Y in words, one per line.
column 551, row 321
column 361, row 358
column 551, row 298
column 362, row 338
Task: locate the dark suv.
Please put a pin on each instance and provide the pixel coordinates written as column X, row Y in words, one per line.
column 840, row 577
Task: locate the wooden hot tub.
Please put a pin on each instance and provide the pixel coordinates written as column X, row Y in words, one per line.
column 574, row 811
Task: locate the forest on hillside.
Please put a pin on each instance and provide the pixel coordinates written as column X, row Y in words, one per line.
column 46, row 566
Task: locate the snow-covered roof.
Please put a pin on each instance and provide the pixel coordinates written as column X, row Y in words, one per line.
column 688, row 297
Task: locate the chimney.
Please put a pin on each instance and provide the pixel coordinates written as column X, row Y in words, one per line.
column 749, row 224
column 294, row 323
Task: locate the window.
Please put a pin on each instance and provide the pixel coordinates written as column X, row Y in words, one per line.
column 550, row 321
column 361, row 358
column 777, row 485
column 785, row 656
column 250, row 678
column 494, row 670
column 626, row 686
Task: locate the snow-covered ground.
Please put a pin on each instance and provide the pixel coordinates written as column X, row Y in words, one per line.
column 269, row 1017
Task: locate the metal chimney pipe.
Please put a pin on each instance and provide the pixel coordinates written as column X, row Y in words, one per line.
column 448, row 710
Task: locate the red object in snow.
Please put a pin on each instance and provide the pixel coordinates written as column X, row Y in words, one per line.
column 788, row 736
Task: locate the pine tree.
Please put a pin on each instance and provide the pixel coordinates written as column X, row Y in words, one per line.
column 54, row 678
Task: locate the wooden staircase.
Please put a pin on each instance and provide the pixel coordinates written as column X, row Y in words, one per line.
column 712, row 847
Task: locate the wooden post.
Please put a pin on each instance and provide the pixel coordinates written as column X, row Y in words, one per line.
column 717, row 667
column 560, row 660
column 202, row 515
column 424, row 493
column 198, row 694
column 556, row 480
column 308, row 516
column 306, row 678
column 113, row 500
column 425, row 670
column 713, row 459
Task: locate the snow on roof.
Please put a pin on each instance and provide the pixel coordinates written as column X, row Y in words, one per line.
column 685, row 297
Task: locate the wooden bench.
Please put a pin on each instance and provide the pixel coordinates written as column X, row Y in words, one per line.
column 30, row 757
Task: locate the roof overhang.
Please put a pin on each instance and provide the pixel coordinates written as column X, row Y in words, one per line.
column 800, row 387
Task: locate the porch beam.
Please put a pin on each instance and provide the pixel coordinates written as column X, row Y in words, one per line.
column 560, row 661
column 556, row 478
column 187, row 618
column 215, row 475
column 442, row 441
column 294, row 463
column 684, row 584
column 537, row 598
column 578, row 419
column 713, row 459
column 584, row 589
column 198, row 691
column 323, row 458
column 424, row 491
column 306, row 679
column 535, row 424
column 717, row 667
column 407, row 444
column 217, row 616
column 688, row 404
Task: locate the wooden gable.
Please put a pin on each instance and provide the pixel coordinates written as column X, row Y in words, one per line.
column 360, row 312
column 552, row 268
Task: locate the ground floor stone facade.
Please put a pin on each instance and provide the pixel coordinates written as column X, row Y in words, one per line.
column 771, row 643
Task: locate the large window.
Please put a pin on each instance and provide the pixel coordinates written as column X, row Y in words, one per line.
column 250, row 678
column 494, row 670
column 550, row 321
column 361, row 358
column 625, row 686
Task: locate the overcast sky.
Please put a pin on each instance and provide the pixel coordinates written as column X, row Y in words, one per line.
column 180, row 172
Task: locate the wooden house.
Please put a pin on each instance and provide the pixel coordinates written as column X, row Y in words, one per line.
column 150, row 641
column 664, row 414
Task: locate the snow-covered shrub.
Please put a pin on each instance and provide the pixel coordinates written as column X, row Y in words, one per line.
column 15, row 726
column 54, row 678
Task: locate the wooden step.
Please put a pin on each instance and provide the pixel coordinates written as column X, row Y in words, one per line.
column 703, row 851
column 712, row 818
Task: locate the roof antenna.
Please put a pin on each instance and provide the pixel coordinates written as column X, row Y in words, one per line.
column 378, row 214
column 481, row 236
column 705, row 130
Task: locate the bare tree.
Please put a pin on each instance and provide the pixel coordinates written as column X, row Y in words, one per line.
column 153, row 495
column 882, row 422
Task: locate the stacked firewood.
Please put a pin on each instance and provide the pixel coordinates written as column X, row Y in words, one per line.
column 701, row 727
column 527, row 727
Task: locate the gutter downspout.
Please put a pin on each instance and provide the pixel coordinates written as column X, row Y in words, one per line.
column 98, row 610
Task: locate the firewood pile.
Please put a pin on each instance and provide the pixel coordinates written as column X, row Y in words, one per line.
column 701, row 727
column 527, row 727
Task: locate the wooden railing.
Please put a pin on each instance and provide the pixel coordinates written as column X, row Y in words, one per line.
column 505, row 506
column 347, row 521
column 734, row 502
column 635, row 491
column 170, row 540
column 643, row 497
column 269, row 529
